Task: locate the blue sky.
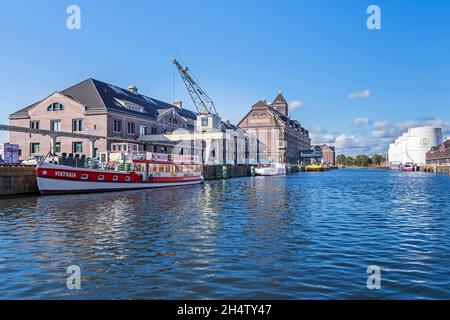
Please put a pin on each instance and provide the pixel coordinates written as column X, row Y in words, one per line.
column 317, row 52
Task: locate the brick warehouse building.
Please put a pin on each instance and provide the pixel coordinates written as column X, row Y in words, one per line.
column 328, row 154
column 439, row 155
column 282, row 136
column 97, row 108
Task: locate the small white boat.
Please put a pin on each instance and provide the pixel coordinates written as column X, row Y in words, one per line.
column 271, row 170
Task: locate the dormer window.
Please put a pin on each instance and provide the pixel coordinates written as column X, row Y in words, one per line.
column 55, row 107
column 130, row 106
column 134, row 107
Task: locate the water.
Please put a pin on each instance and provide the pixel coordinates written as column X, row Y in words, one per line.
column 304, row 236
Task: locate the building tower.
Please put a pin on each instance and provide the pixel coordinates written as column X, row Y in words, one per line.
column 280, row 104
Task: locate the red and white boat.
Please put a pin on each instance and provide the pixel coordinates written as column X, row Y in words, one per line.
column 408, row 167
column 125, row 172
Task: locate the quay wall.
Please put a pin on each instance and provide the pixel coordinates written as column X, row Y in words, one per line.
column 213, row 172
column 17, row 180
column 436, row 169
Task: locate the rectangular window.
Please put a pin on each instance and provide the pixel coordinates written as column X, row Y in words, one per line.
column 77, row 147
column 34, row 148
column 142, row 130
column 77, row 125
column 204, row 121
column 153, row 130
column 57, row 147
column 34, row 124
column 55, row 125
column 117, row 127
column 130, row 129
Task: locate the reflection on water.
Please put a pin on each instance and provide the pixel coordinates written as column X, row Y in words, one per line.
column 310, row 235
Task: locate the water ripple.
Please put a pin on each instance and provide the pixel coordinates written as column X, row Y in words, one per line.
column 295, row 237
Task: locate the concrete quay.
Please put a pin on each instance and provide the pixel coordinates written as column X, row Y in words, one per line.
column 17, row 180
column 436, row 169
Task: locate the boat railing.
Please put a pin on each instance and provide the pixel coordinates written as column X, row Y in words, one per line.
column 77, row 161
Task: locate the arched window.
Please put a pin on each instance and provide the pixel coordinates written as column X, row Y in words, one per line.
column 55, row 107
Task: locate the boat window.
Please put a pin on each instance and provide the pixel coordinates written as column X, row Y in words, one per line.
column 127, row 178
column 84, row 176
column 115, row 178
column 101, row 178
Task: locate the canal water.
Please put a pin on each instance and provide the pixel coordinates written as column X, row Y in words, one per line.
column 304, row 236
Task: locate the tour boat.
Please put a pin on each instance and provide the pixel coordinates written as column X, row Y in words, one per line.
column 125, row 173
column 271, row 170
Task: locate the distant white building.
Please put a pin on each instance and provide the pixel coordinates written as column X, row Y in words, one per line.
column 413, row 145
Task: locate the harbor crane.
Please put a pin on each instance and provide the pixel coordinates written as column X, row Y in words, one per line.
column 203, row 103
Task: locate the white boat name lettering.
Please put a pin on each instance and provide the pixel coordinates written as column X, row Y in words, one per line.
column 65, row 174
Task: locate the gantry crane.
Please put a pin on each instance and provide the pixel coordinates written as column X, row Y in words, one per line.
column 203, row 103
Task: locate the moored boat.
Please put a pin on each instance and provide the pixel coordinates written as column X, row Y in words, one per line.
column 128, row 173
column 315, row 168
column 271, row 170
column 409, row 167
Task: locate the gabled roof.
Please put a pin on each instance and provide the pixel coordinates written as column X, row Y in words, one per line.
column 100, row 97
column 447, row 144
column 23, row 113
column 263, row 105
column 278, row 114
column 279, row 100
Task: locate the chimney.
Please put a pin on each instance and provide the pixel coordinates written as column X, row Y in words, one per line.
column 133, row 89
column 178, row 104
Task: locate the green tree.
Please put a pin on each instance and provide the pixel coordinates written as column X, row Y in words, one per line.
column 341, row 159
column 349, row 161
column 362, row 161
column 377, row 159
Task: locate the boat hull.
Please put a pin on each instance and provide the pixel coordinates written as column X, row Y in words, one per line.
column 270, row 171
column 59, row 186
column 315, row 169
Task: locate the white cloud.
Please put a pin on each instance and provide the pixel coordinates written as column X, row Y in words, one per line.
column 380, row 124
column 406, row 124
column 359, row 95
column 361, row 122
column 295, row 104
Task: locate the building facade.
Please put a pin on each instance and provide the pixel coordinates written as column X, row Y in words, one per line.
column 281, row 137
column 328, row 154
column 439, row 155
column 97, row 108
column 413, row 146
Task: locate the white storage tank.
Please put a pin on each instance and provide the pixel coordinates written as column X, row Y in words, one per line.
column 413, row 145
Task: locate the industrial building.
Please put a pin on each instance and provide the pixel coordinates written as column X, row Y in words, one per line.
column 413, row 146
column 328, row 154
column 130, row 121
column 97, row 108
column 283, row 137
